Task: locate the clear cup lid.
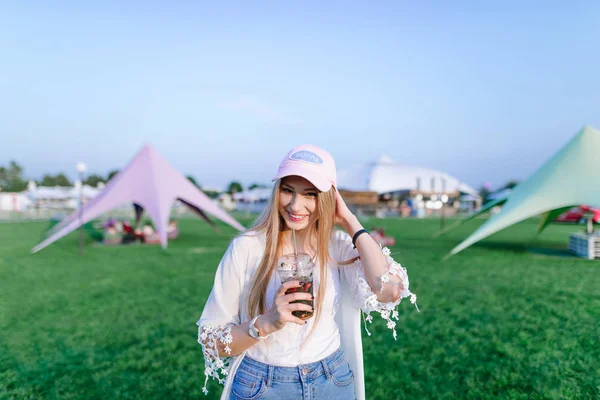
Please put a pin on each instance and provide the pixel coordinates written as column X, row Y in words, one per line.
column 291, row 262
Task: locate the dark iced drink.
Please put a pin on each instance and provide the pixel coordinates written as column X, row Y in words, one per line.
column 300, row 267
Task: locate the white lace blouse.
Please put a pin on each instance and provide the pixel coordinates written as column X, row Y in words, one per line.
column 292, row 345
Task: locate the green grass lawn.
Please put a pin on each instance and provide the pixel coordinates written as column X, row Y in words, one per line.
column 497, row 321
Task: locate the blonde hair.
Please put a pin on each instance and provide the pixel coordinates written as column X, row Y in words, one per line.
column 272, row 224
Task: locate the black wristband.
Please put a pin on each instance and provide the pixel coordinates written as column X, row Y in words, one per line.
column 356, row 235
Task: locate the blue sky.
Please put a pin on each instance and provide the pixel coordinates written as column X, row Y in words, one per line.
column 485, row 92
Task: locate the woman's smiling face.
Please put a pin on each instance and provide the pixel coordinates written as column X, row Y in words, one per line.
column 297, row 202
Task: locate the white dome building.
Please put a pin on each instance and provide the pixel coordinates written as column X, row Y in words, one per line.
column 385, row 176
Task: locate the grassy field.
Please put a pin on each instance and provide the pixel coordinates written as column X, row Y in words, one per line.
column 499, row 320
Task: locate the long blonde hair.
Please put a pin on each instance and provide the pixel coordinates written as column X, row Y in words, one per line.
column 272, row 224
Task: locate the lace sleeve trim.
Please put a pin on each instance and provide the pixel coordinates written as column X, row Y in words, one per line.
column 214, row 366
column 368, row 299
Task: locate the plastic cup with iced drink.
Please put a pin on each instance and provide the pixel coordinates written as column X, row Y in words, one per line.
column 298, row 267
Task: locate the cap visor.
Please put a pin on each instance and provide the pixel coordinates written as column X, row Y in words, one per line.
column 315, row 178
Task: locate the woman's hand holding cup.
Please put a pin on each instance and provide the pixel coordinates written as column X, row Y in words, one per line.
column 281, row 312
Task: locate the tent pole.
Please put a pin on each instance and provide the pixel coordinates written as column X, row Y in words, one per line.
column 443, row 219
column 81, row 216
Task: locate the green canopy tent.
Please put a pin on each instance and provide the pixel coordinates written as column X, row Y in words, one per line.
column 568, row 179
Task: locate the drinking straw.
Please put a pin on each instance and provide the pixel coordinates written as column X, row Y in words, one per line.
column 295, row 247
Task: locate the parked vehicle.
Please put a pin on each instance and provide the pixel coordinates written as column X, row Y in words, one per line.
column 577, row 215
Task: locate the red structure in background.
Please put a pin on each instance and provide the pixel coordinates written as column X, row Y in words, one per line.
column 577, row 215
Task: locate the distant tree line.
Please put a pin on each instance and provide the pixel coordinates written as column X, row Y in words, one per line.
column 232, row 188
column 486, row 191
column 12, row 179
column 236, row 187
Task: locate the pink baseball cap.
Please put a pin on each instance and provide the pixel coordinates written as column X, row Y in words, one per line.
column 310, row 162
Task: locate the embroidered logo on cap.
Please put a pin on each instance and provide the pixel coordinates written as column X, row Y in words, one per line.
column 307, row 156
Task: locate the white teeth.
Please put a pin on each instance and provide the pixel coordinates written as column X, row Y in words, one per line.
column 295, row 217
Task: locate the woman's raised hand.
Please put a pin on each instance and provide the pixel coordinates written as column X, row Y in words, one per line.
column 343, row 215
column 281, row 311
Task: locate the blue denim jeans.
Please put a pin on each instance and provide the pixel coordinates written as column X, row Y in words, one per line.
column 330, row 378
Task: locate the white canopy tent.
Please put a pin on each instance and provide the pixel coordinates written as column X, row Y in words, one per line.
column 385, row 175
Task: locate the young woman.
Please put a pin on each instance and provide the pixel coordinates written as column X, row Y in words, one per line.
column 250, row 338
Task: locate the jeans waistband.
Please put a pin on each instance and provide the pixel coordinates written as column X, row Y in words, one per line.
column 293, row 374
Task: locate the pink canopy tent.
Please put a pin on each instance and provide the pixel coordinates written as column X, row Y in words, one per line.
column 148, row 182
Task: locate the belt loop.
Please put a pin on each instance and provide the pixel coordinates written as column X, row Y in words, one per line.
column 326, row 369
column 270, row 376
